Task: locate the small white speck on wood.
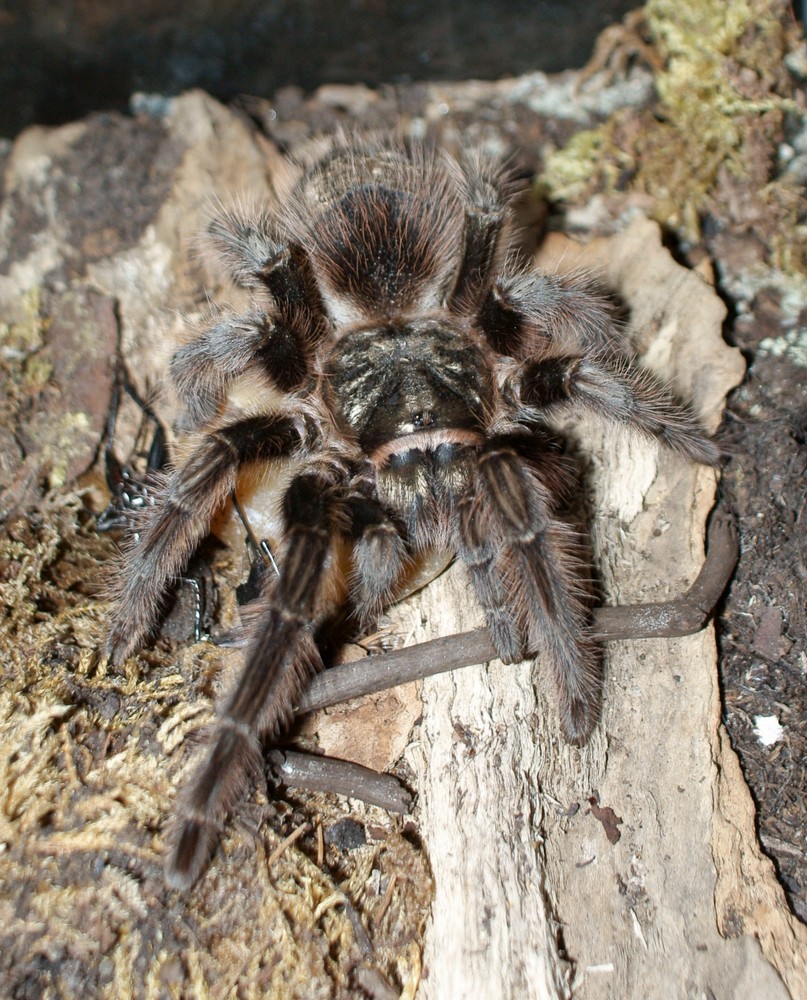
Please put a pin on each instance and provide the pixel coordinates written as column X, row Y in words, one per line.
column 768, row 730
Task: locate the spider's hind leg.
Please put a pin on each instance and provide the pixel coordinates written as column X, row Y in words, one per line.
column 615, row 389
column 573, row 352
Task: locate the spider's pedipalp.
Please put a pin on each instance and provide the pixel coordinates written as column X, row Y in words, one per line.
column 480, row 551
column 613, row 388
column 279, row 663
column 379, row 556
column 171, row 529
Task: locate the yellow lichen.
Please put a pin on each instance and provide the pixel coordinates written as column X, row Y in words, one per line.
column 70, row 430
column 23, row 331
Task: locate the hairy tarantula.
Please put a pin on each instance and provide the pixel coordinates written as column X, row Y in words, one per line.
column 413, row 361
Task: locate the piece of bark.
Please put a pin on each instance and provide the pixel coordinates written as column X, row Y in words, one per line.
column 63, row 386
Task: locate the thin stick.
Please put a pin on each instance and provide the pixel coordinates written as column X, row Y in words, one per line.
column 382, row 909
column 281, row 847
column 683, row 616
column 262, row 546
column 327, row 774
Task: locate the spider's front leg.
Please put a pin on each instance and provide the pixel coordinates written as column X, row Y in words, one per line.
column 279, row 664
column 527, row 573
column 171, row 529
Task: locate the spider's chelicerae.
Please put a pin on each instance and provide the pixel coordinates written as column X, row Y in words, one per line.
column 414, row 360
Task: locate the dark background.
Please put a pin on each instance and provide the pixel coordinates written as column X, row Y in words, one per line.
column 60, row 59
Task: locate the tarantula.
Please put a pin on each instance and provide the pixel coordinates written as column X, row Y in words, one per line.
column 413, row 360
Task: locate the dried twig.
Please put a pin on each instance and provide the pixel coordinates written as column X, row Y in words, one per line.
column 284, row 844
column 683, row 616
column 327, row 774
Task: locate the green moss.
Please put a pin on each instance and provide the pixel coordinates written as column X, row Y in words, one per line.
column 37, row 372
column 722, row 97
column 569, row 171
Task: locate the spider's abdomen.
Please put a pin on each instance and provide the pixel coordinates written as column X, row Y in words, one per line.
column 382, row 242
column 396, row 387
column 376, row 247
